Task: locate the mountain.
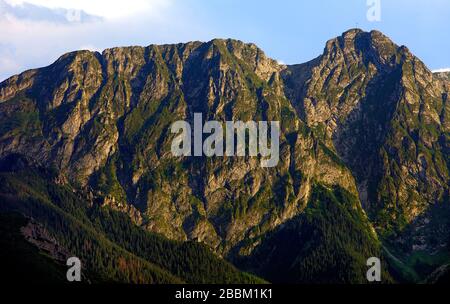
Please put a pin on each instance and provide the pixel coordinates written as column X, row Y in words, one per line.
column 387, row 117
column 443, row 75
column 364, row 154
column 61, row 222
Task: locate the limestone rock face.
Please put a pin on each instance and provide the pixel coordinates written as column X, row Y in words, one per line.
column 387, row 117
column 366, row 116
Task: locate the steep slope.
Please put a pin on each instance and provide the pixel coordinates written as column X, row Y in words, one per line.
column 45, row 223
column 380, row 107
column 328, row 243
column 443, row 75
column 366, row 118
column 21, row 261
column 386, row 116
column 103, row 122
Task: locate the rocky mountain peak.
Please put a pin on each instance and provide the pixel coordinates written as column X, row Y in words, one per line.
column 366, row 95
column 366, row 118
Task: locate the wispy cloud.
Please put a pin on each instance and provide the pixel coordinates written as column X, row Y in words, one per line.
column 105, row 8
column 27, row 11
column 444, row 70
column 34, row 33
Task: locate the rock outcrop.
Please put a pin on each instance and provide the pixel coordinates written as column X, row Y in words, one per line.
column 366, row 116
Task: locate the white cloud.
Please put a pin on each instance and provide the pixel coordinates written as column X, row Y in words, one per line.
column 445, row 70
column 34, row 42
column 27, row 11
column 105, row 8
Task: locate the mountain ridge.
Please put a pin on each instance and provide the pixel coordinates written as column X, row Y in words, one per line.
column 366, row 118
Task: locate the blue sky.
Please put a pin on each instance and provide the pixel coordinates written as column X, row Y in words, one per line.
column 34, row 33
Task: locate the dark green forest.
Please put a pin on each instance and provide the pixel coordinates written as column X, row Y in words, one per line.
column 329, row 243
column 111, row 248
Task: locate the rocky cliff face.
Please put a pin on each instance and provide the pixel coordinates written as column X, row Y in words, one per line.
column 103, row 121
column 366, row 116
column 442, row 75
column 386, row 115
